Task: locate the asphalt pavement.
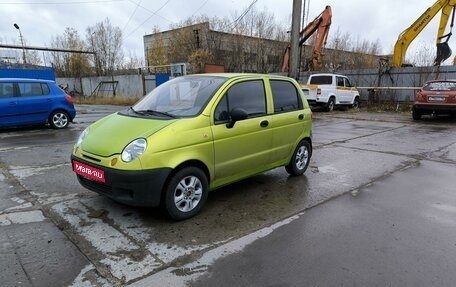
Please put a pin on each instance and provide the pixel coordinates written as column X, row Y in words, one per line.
column 375, row 208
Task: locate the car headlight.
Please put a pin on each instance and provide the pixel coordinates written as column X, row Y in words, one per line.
column 134, row 149
column 82, row 136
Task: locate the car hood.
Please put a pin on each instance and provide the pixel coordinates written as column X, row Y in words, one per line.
column 111, row 134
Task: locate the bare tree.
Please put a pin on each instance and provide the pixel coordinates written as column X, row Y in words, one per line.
column 69, row 64
column 423, row 56
column 106, row 41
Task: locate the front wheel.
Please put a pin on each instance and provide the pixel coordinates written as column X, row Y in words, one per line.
column 59, row 120
column 355, row 103
column 186, row 193
column 300, row 159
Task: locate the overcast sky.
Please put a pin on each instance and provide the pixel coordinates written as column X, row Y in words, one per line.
column 40, row 20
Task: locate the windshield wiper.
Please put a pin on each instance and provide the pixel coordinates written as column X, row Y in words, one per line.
column 153, row 112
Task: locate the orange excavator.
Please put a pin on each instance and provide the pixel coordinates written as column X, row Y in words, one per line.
column 320, row 25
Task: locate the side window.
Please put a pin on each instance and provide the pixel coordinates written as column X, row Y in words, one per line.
column 30, row 89
column 347, row 83
column 286, row 97
column 6, row 90
column 45, row 89
column 249, row 95
column 221, row 112
column 340, row 81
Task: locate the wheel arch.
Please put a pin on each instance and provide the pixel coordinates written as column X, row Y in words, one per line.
column 194, row 163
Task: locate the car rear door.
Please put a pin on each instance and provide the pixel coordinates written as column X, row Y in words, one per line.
column 243, row 149
column 289, row 119
column 34, row 102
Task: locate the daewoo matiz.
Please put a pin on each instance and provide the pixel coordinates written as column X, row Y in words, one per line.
column 193, row 134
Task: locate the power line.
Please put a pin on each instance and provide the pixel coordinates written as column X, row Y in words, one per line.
column 60, row 3
column 154, row 13
column 200, row 7
column 131, row 16
column 244, row 13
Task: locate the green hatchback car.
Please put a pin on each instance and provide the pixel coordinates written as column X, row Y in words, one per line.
column 193, row 134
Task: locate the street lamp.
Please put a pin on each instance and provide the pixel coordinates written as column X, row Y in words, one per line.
column 22, row 42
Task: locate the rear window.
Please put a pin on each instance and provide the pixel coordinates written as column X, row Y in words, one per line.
column 440, row 86
column 321, row 80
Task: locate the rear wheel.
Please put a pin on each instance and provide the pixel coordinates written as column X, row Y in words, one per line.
column 330, row 105
column 186, row 193
column 59, row 120
column 416, row 115
column 300, row 159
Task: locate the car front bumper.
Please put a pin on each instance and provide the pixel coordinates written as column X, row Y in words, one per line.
column 135, row 188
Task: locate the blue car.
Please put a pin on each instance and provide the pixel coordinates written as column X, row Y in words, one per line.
column 34, row 102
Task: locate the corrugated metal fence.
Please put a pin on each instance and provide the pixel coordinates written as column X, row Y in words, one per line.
column 399, row 84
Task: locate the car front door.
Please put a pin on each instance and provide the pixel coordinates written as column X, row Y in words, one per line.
column 9, row 109
column 244, row 148
column 342, row 92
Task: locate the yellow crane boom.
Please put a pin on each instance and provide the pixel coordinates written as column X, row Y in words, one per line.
column 408, row 35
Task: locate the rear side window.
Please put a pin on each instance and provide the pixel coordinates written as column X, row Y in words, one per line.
column 440, row 86
column 321, row 80
column 33, row 89
column 285, row 95
column 6, row 90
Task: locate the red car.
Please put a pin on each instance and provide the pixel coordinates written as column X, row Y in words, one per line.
column 435, row 98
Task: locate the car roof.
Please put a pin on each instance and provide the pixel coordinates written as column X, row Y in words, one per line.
column 25, row 80
column 242, row 75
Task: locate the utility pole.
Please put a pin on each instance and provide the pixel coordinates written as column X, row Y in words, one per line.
column 294, row 48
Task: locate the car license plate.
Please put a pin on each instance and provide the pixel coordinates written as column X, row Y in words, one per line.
column 436, row 99
column 88, row 171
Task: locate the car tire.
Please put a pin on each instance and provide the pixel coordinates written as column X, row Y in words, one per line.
column 59, row 120
column 416, row 115
column 300, row 159
column 355, row 104
column 186, row 193
column 330, row 105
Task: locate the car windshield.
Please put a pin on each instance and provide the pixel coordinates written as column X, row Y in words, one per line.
column 440, row 86
column 183, row 96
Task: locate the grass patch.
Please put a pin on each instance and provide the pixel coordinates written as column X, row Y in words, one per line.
column 398, row 107
column 117, row 100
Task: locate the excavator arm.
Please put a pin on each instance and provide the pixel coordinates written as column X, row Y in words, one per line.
column 320, row 25
column 408, row 35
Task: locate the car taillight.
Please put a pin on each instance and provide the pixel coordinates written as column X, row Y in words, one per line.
column 69, row 99
column 318, row 91
column 418, row 97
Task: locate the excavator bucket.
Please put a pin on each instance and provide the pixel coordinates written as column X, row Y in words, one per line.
column 443, row 53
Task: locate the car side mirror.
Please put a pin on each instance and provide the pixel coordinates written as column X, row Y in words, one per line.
column 236, row 114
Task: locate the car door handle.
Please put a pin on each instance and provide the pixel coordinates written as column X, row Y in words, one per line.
column 301, row 116
column 264, row 123
column 12, row 103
